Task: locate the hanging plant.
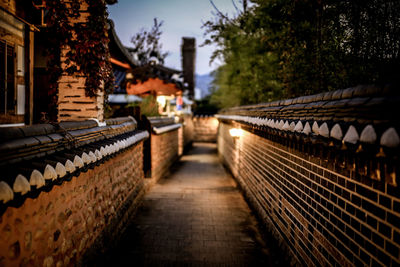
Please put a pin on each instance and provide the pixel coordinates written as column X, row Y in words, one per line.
column 90, row 51
column 58, row 32
column 86, row 44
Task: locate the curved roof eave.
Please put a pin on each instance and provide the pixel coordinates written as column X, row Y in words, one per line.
column 114, row 38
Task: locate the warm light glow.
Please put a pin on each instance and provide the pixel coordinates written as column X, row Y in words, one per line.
column 129, row 76
column 214, row 122
column 235, row 132
column 161, row 100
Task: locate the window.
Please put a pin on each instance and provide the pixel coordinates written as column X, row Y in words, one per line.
column 7, row 78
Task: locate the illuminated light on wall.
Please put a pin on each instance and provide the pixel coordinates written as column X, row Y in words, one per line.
column 214, row 122
column 161, row 100
column 235, row 132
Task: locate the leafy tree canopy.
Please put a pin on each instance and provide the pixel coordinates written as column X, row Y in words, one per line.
column 283, row 48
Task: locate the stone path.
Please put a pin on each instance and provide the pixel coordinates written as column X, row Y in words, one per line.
column 195, row 217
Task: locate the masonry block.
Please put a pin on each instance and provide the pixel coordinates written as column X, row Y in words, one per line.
column 164, row 152
column 205, row 129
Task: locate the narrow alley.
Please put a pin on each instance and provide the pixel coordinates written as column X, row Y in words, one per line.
column 196, row 216
column 199, row 133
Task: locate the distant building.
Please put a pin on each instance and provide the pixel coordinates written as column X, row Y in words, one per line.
column 165, row 84
column 172, row 88
column 121, row 60
column 122, row 64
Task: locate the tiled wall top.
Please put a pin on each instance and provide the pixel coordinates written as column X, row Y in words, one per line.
column 162, row 125
column 42, row 156
column 24, row 143
column 363, row 114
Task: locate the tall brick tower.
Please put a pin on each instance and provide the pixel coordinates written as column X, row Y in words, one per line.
column 188, row 52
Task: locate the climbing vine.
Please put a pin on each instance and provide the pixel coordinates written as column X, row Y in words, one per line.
column 90, row 50
column 86, row 44
column 58, row 32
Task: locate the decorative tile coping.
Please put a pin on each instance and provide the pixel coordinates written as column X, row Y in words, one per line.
column 359, row 115
column 346, row 133
column 160, row 125
column 168, row 128
column 36, row 163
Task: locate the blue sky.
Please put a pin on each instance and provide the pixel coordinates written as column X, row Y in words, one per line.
column 181, row 18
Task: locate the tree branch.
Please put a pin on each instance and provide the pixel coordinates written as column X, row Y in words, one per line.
column 219, row 12
column 235, row 6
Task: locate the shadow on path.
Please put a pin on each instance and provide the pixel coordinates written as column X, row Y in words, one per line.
column 195, row 217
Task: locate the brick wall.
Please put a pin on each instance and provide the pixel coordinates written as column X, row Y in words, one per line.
column 57, row 228
column 205, row 128
column 73, row 104
column 185, row 132
column 326, row 208
column 164, row 152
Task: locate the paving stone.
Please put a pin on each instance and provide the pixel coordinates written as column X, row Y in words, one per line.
column 195, row 217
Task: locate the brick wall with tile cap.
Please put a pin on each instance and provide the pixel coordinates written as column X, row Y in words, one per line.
column 205, row 128
column 33, row 158
column 322, row 173
column 65, row 184
column 164, row 146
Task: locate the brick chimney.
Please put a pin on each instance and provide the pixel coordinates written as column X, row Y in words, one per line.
column 188, row 50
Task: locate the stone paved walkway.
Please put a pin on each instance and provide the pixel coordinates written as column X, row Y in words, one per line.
column 195, row 217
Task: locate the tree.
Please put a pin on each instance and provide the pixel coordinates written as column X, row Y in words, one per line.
column 328, row 45
column 147, row 45
column 284, row 48
column 249, row 73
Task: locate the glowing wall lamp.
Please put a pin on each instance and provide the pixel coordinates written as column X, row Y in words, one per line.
column 236, row 132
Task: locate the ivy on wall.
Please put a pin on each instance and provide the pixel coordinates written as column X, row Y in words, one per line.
column 86, row 44
column 58, row 32
column 90, row 49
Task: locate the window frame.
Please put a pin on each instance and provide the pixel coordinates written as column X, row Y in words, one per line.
column 9, row 109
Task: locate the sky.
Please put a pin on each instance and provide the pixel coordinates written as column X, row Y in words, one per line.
column 182, row 18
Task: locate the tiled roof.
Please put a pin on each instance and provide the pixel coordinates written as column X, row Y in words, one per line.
column 35, row 158
column 117, row 49
column 363, row 114
column 168, row 75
